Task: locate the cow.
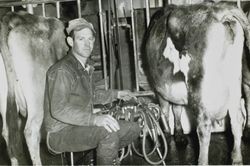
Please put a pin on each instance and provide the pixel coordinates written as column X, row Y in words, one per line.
column 29, row 46
column 193, row 58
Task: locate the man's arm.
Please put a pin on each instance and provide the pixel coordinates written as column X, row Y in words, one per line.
column 102, row 96
column 61, row 106
column 107, row 96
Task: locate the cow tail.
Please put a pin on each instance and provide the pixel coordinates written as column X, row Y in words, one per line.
column 153, row 44
column 241, row 17
column 15, row 145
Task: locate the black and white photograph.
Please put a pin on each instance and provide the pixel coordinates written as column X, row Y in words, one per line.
column 124, row 82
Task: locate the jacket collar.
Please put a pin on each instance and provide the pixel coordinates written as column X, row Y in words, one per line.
column 89, row 63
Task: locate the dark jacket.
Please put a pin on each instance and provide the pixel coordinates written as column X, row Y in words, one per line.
column 70, row 95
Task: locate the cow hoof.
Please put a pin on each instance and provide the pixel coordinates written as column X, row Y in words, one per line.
column 237, row 163
column 181, row 140
column 13, row 161
column 237, row 158
column 246, row 135
column 203, row 162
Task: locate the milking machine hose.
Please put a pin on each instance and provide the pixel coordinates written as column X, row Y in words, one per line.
column 158, row 129
column 151, row 127
column 150, row 114
column 145, row 127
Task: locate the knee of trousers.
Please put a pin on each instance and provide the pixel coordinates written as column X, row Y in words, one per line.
column 109, row 145
column 134, row 130
column 110, row 138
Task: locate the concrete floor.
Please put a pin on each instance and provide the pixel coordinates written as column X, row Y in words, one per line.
column 219, row 154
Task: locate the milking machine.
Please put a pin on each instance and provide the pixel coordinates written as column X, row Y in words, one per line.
column 152, row 139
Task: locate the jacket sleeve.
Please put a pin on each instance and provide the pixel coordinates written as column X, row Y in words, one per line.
column 60, row 106
column 102, row 96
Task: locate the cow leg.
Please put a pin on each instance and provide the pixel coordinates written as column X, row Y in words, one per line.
column 236, row 120
column 204, row 126
column 3, row 109
column 246, row 133
column 32, row 135
column 5, row 134
column 179, row 136
column 165, row 106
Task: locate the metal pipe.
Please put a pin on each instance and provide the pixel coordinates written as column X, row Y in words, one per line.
column 160, row 3
column 152, row 3
column 71, row 159
column 43, row 9
column 58, row 9
column 19, row 3
column 147, row 12
column 110, row 47
column 79, row 8
column 134, row 46
column 143, row 93
column 30, row 8
column 118, row 45
column 239, row 4
column 103, row 45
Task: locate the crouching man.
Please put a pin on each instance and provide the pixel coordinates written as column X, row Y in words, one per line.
column 69, row 121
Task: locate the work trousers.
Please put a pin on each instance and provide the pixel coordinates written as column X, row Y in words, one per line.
column 81, row 138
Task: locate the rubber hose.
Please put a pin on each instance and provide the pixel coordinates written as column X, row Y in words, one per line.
column 144, row 133
column 164, row 141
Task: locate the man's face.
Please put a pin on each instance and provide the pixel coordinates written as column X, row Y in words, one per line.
column 83, row 42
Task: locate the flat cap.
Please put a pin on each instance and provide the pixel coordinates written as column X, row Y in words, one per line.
column 79, row 23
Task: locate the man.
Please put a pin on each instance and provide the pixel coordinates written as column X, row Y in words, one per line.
column 69, row 121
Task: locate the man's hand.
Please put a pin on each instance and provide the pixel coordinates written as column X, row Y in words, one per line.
column 125, row 95
column 108, row 122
